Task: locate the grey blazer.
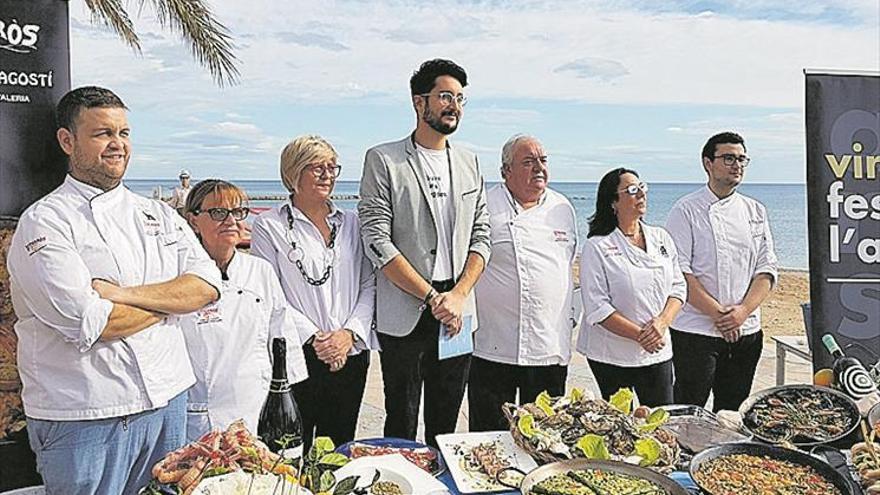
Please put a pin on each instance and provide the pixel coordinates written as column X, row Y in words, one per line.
column 397, row 218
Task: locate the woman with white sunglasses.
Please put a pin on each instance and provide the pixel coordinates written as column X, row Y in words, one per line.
column 229, row 341
column 632, row 288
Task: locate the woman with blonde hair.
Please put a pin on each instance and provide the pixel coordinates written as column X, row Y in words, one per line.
column 317, row 254
column 229, row 341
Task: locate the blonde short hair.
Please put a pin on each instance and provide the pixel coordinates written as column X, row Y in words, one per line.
column 300, row 153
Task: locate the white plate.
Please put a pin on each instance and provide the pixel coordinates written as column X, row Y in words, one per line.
column 456, row 446
column 240, row 483
column 412, row 480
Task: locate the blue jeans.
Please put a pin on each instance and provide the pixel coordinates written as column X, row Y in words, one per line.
column 106, row 456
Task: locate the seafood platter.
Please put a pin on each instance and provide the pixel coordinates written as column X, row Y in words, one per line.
column 476, row 459
column 425, row 457
column 189, row 469
column 803, row 415
column 758, row 469
column 578, row 426
column 865, row 456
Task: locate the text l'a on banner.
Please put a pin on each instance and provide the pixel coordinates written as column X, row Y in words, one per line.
column 34, row 75
column 843, row 198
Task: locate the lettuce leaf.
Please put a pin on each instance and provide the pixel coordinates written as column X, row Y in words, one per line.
column 655, row 420
column 649, row 450
column 543, row 401
column 593, row 447
column 526, row 425
column 334, row 459
column 622, row 400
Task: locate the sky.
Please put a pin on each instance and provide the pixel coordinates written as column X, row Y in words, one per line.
column 602, row 84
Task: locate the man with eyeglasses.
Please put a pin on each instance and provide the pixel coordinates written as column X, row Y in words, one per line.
column 524, row 298
column 726, row 253
column 425, row 226
column 99, row 276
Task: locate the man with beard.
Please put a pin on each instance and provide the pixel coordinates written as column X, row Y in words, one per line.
column 726, row 254
column 98, row 277
column 425, row 225
column 524, row 297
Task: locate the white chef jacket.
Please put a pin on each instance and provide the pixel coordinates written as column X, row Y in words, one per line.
column 75, row 234
column 346, row 299
column 617, row 276
column 724, row 243
column 230, row 347
column 524, row 295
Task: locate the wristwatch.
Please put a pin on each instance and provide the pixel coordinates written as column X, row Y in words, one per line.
column 432, row 293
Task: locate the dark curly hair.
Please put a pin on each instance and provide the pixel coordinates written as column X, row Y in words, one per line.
column 604, row 221
column 422, row 80
column 75, row 100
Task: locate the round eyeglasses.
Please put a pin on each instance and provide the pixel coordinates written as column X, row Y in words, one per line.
column 729, row 159
column 319, row 170
column 634, row 189
column 220, row 214
column 447, row 97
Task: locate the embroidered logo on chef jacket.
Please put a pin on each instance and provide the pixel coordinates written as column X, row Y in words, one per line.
column 612, row 251
column 209, row 314
column 152, row 226
column 35, row 245
column 560, row 236
column 663, row 251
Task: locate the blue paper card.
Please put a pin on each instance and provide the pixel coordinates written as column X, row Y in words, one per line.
column 459, row 344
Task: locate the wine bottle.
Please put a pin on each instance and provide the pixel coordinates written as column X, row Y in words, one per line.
column 280, row 426
column 851, row 376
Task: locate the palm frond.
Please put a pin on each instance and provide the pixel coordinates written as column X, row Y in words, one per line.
column 210, row 41
column 112, row 13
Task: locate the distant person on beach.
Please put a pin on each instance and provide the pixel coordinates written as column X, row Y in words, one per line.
column 317, row 253
column 230, row 340
column 632, row 287
column 426, row 227
column 524, row 296
column 726, row 253
column 99, row 275
column 179, row 194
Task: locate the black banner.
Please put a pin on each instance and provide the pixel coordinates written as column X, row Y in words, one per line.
column 34, row 75
column 843, row 197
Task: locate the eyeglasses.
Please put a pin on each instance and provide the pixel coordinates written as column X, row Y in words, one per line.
column 730, row 159
column 319, row 170
column 447, row 97
column 634, row 189
column 220, row 214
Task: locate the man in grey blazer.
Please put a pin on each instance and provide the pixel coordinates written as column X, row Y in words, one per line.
column 425, row 226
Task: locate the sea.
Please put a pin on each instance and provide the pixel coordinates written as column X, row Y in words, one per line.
column 786, row 205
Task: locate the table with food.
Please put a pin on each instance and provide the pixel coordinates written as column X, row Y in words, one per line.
column 795, row 439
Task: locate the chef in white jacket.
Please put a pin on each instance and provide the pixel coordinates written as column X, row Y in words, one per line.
column 99, row 276
column 318, row 256
column 229, row 342
column 632, row 288
column 727, row 256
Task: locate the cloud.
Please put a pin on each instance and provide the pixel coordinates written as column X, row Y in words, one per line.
column 312, row 40
column 432, row 28
column 593, row 68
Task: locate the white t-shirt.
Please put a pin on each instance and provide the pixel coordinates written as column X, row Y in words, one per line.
column 435, row 163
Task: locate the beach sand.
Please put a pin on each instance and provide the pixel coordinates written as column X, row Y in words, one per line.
column 781, row 316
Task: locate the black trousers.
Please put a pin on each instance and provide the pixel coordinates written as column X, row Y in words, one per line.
column 491, row 384
column 409, row 362
column 330, row 402
column 652, row 383
column 704, row 364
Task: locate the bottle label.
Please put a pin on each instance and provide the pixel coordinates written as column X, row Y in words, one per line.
column 856, row 382
column 292, row 453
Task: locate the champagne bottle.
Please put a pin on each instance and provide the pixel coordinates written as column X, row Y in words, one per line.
column 851, row 376
column 280, row 426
